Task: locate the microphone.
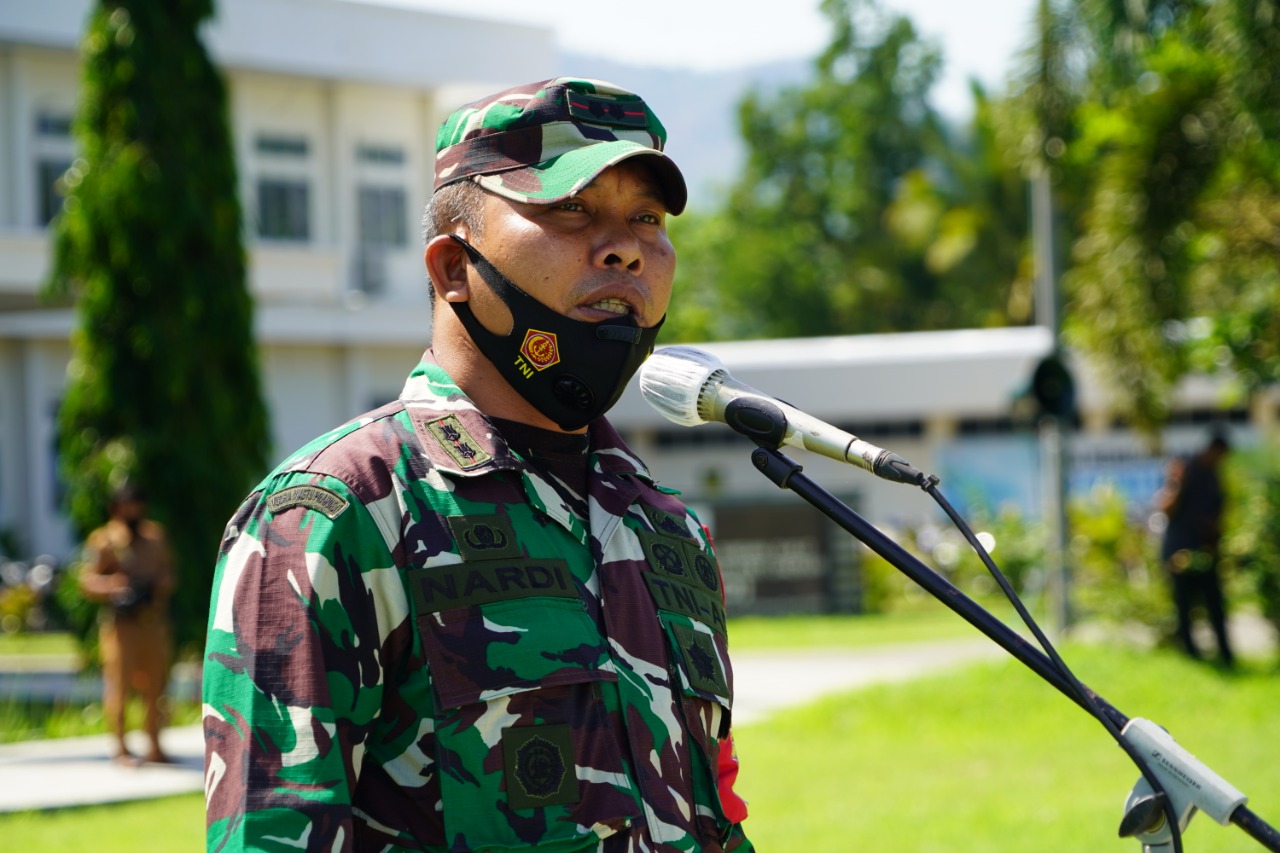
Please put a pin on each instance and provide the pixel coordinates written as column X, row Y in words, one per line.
column 689, row 386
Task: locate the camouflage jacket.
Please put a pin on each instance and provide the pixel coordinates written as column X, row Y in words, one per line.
column 415, row 644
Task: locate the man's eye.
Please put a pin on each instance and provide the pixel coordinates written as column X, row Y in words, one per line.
column 650, row 218
column 573, row 206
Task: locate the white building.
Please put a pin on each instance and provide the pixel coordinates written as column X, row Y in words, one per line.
column 334, row 107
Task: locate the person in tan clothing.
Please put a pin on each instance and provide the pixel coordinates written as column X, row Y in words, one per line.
column 129, row 568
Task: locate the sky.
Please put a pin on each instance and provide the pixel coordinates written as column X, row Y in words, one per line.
column 979, row 38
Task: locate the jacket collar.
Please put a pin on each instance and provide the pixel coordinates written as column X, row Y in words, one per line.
column 459, row 440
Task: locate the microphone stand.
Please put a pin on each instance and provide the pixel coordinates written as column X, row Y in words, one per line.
column 1188, row 784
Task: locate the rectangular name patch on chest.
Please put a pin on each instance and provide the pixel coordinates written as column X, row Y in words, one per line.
column 486, row 581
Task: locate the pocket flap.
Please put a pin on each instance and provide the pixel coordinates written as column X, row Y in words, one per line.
column 484, row 651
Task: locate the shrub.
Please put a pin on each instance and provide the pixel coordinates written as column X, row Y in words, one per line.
column 1252, row 543
column 17, row 603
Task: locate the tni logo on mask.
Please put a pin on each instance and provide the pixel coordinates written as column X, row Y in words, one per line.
column 539, row 351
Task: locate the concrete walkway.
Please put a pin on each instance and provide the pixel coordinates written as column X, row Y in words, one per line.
column 769, row 681
column 78, row 771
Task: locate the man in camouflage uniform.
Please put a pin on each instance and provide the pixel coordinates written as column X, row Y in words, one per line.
column 470, row 620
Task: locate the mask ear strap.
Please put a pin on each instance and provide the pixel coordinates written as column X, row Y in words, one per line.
column 471, row 250
column 504, row 286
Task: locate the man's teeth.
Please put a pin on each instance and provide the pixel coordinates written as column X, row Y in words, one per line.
column 613, row 306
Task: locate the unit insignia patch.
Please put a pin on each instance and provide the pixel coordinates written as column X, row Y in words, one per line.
column 540, row 766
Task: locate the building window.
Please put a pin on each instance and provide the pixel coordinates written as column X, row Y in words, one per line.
column 382, row 217
column 283, row 146
column 382, row 155
column 49, row 173
column 53, row 149
column 53, row 125
column 283, row 209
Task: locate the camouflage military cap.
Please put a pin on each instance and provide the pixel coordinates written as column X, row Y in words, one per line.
column 543, row 142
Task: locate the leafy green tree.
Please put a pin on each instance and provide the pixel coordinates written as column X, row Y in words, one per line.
column 163, row 387
column 856, row 211
column 1160, row 121
column 978, row 248
column 811, row 253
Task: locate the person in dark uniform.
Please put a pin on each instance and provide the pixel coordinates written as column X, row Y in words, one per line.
column 1193, row 500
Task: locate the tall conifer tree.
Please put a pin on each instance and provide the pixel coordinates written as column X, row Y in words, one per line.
column 163, row 387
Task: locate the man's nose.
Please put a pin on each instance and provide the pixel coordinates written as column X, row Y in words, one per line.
column 620, row 248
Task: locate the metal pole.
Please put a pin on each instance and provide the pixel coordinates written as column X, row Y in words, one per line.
column 1052, row 431
column 1053, row 499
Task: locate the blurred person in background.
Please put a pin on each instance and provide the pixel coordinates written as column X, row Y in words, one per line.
column 128, row 568
column 1192, row 499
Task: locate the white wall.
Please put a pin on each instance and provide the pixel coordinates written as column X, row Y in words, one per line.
column 33, row 80
column 13, row 436
column 312, row 388
column 283, row 106
column 393, row 118
column 31, row 379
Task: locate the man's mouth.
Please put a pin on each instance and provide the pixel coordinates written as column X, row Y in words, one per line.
column 613, row 306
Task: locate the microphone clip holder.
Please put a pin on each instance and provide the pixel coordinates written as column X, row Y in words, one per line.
column 766, row 425
column 757, row 419
column 1190, row 785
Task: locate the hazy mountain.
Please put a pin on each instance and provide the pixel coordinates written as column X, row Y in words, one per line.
column 699, row 109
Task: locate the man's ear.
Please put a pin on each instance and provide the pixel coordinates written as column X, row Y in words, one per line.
column 446, row 261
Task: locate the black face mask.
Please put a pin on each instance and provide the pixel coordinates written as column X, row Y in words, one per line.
column 571, row 371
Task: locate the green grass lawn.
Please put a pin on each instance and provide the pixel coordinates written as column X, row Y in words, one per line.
column 168, row 825
column 43, row 643
column 22, row 719
column 26, row 719
column 931, row 621
column 993, row 759
column 987, row 758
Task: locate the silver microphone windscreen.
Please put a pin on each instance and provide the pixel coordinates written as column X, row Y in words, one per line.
column 691, row 387
column 672, row 381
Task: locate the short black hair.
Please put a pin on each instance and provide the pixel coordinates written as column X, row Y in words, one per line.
column 1219, row 438
column 453, row 203
column 459, row 202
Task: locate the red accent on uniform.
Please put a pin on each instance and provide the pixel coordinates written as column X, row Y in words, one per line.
column 735, row 808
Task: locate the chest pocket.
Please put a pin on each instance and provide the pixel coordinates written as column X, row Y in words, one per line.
column 525, row 752
column 684, row 581
column 494, row 627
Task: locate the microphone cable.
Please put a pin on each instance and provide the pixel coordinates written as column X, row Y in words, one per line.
column 1083, row 696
